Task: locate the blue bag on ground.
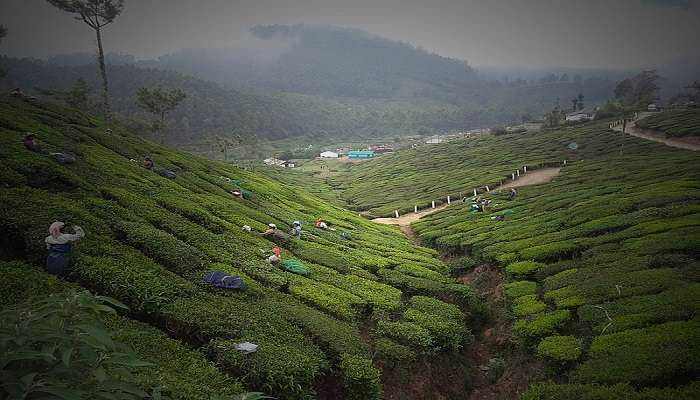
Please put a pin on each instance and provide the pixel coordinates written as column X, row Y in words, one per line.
column 58, row 260
column 63, row 158
column 168, row 174
column 223, row 280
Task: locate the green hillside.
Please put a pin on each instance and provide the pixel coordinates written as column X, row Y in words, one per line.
column 602, row 268
column 431, row 172
column 365, row 303
column 673, row 123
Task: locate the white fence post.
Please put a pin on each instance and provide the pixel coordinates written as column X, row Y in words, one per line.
column 415, row 209
column 487, row 189
column 564, row 162
column 474, row 192
column 518, row 171
column 525, row 169
column 448, row 199
column 512, row 177
column 396, row 212
column 433, row 203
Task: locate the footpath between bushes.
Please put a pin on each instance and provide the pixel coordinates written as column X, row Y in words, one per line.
column 632, row 129
column 536, row 177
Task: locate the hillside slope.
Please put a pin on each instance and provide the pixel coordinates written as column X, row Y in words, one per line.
column 366, row 302
column 602, row 270
column 211, row 110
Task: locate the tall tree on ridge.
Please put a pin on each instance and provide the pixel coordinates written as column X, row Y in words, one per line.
column 96, row 14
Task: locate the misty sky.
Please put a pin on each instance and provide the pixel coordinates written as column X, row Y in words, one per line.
column 535, row 33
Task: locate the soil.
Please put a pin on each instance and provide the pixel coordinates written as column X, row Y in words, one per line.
column 503, row 368
column 687, row 143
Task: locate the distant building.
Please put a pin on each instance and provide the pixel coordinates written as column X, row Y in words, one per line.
column 358, row 155
column 434, row 140
column 581, row 115
column 274, row 162
column 329, row 154
column 381, row 148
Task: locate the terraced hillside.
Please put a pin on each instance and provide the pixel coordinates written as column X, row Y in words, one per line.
column 431, row 172
column 673, row 123
column 602, row 269
column 366, row 302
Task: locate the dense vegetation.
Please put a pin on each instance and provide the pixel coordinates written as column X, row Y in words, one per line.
column 602, row 265
column 373, row 298
column 673, row 123
column 211, row 110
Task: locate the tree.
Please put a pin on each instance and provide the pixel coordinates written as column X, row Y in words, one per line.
column 225, row 143
column 3, row 33
column 76, row 96
column 695, row 85
column 96, row 14
column 159, row 102
column 639, row 90
column 580, row 101
column 574, row 102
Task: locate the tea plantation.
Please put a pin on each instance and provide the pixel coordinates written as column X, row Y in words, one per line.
column 673, row 123
column 603, row 267
column 417, row 176
column 150, row 240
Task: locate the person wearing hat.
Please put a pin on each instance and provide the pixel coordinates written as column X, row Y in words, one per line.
column 60, row 246
column 271, row 228
column 296, row 229
column 148, row 163
column 276, row 256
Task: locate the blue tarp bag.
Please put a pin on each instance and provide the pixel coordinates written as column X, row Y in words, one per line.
column 168, row 174
column 58, row 260
column 223, row 280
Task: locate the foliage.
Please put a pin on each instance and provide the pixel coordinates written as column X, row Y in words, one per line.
column 159, row 101
column 673, row 123
column 57, row 346
column 523, row 268
column 361, row 378
column 620, row 391
column 389, row 350
column 638, row 90
column 560, row 348
column 520, row 288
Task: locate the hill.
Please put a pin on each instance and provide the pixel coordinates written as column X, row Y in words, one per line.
column 431, row 172
column 601, row 271
column 369, row 305
column 673, row 123
column 339, row 62
column 211, row 110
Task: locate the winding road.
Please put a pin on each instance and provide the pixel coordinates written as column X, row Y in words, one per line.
column 633, row 130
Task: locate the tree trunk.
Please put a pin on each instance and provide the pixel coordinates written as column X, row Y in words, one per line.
column 103, row 73
column 162, row 127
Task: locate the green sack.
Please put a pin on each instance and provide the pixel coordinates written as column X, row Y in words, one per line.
column 508, row 212
column 294, row 266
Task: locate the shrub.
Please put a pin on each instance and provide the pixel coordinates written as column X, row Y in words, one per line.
column 64, row 351
column 541, row 325
column 436, row 307
column 620, row 391
column 523, row 268
column 361, row 378
column 408, row 333
column 673, row 349
column 560, row 348
column 446, row 332
column 389, row 350
column 162, row 246
column 528, row 304
column 520, row 288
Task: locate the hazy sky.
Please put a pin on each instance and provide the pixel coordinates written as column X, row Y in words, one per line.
column 591, row 33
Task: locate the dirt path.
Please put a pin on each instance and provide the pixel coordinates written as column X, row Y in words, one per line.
column 689, row 143
column 503, row 369
column 404, row 222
